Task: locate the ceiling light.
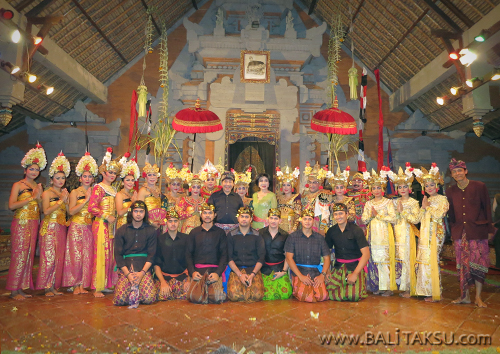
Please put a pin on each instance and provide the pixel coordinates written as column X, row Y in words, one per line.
column 6, row 14
column 12, row 68
column 49, row 90
column 16, row 36
column 454, row 56
column 440, row 100
column 482, row 36
column 496, row 74
column 31, row 78
column 467, row 57
column 37, row 40
column 455, row 90
column 15, row 69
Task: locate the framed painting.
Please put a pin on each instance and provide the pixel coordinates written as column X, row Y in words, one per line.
column 255, row 66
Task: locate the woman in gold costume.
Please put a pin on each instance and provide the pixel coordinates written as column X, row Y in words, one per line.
column 188, row 207
column 339, row 184
column 405, row 231
column 241, row 183
column 150, row 194
column 379, row 214
column 24, row 200
column 77, row 271
column 53, row 230
column 102, row 206
column 289, row 202
column 431, row 240
column 127, row 195
column 210, row 175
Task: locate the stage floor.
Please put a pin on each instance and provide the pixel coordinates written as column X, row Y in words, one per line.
column 80, row 323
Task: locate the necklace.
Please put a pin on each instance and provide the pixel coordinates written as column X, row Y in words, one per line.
column 462, row 188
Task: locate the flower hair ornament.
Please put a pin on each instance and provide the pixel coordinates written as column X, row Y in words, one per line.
column 86, row 164
column 244, row 178
column 422, row 175
column 108, row 164
column 35, row 156
column 403, row 177
column 60, row 164
column 130, row 168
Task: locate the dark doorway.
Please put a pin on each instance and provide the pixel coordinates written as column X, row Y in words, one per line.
column 258, row 154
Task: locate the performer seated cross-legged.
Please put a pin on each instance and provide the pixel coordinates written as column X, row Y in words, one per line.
column 246, row 254
column 347, row 281
column 277, row 285
column 304, row 249
column 135, row 247
column 172, row 279
column 206, row 258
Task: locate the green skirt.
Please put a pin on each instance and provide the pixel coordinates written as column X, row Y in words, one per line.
column 280, row 289
column 339, row 290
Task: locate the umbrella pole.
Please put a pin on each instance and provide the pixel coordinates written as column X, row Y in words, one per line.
column 192, row 159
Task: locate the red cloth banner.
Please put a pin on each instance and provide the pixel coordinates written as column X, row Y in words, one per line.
column 133, row 119
column 380, row 158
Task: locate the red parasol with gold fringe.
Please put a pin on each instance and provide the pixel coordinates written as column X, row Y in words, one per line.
column 194, row 120
column 334, row 121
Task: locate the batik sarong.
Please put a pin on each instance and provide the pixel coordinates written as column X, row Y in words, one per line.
column 236, row 291
column 279, row 289
column 123, row 291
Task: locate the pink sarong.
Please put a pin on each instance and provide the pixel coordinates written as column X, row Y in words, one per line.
column 52, row 247
column 79, row 256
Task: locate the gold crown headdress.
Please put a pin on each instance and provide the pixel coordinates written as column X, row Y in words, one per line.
column 60, row 164
column 35, row 156
column 317, row 173
column 308, row 212
column 220, row 167
column 195, row 180
column 340, row 178
column 86, row 164
column 284, row 176
column 184, row 175
column 377, row 180
column 274, row 212
column 206, row 206
column 171, row 214
column 108, row 164
column 403, row 178
column 244, row 178
column 422, row 175
column 148, row 168
column 130, row 168
column 339, row 207
column 244, row 210
column 209, row 170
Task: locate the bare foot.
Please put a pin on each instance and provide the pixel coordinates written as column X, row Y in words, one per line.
column 77, row 290
column 24, row 294
column 83, row 291
column 17, row 296
column 55, row 292
column 461, row 301
column 406, row 294
column 429, row 299
column 98, row 294
column 49, row 293
column 387, row 293
column 480, row 303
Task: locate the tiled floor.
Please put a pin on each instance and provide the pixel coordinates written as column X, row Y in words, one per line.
column 74, row 324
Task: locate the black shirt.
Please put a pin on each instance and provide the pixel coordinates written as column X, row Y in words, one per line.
column 347, row 244
column 275, row 250
column 207, row 247
column 129, row 240
column 226, row 206
column 307, row 250
column 246, row 250
column 171, row 254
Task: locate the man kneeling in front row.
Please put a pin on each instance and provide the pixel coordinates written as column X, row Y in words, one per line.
column 246, row 254
column 304, row 249
column 347, row 281
column 135, row 247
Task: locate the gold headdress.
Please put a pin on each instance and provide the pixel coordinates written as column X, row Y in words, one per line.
column 183, row 175
column 130, row 168
column 35, row 156
column 339, row 207
column 341, row 178
column 220, row 167
column 422, row 175
column 195, row 180
column 316, row 173
column 206, row 206
column 274, row 212
column 209, row 170
column 286, row 177
column 148, row 168
column 308, row 212
column 108, row 164
column 171, row 214
column 377, row 180
column 402, row 178
column 60, row 164
column 244, row 210
column 86, row 164
column 244, row 178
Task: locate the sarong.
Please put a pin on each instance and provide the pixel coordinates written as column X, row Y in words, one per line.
column 472, row 262
column 103, row 274
column 78, row 257
column 236, row 291
column 203, row 291
column 123, row 290
column 23, row 243
column 227, row 227
column 280, row 289
column 52, row 247
column 339, row 290
column 308, row 293
column 178, row 289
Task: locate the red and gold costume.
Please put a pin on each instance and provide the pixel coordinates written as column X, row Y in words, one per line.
column 290, row 206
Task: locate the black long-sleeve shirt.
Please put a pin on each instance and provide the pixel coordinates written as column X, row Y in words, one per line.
column 246, row 250
column 275, row 250
column 347, row 244
column 129, row 240
column 207, row 247
column 171, row 254
column 226, row 206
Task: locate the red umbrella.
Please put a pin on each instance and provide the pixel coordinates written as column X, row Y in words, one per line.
column 334, row 121
column 196, row 120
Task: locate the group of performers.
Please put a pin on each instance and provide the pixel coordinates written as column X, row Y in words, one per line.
column 212, row 242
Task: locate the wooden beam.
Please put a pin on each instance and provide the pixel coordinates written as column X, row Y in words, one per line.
column 195, row 5
column 154, row 22
column 456, row 11
column 82, row 10
column 357, row 11
column 444, row 16
column 312, row 7
column 38, row 8
column 27, row 112
column 24, row 4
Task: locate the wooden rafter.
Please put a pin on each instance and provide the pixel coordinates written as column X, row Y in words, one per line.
column 35, row 11
column 456, row 11
column 312, row 7
column 24, row 4
column 444, row 16
column 98, row 29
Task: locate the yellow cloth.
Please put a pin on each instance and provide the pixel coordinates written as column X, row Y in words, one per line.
column 100, row 275
column 83, row 217
column 58, row 216
column 30, row 211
